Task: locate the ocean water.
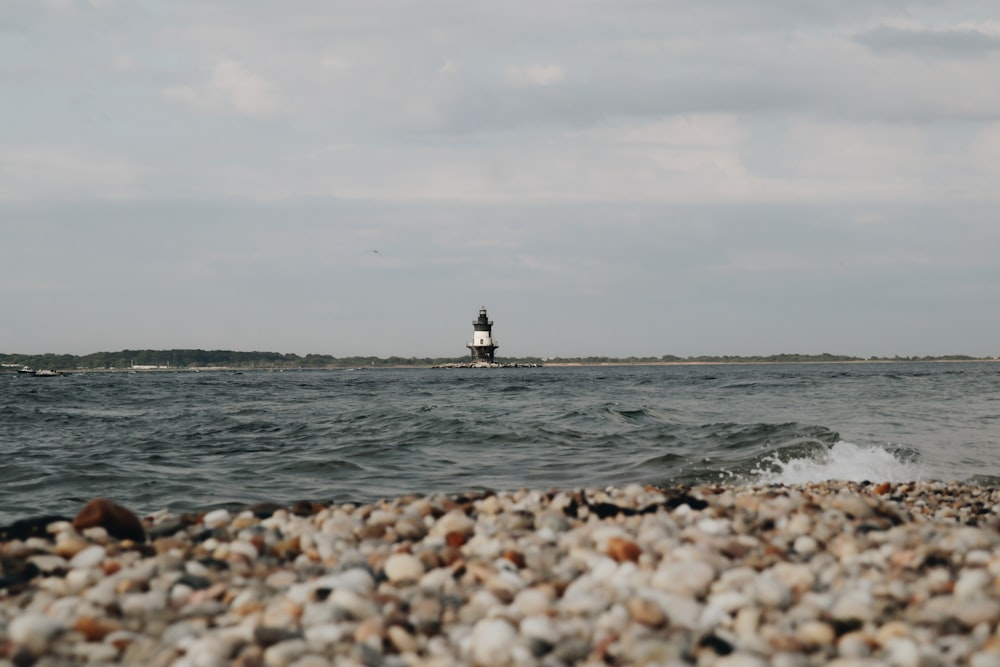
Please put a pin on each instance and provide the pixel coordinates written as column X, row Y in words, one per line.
column 188, row 440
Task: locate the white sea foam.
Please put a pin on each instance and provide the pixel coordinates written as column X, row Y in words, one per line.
column 843, row 461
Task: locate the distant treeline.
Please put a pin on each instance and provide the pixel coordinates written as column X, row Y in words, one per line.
column 232, row 359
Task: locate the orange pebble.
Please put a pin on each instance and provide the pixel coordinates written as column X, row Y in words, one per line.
column 515, row 557
column 621, row 549
column 94, row 629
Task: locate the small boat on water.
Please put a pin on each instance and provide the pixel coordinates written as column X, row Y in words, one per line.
column 46, row 373
column 26, row 370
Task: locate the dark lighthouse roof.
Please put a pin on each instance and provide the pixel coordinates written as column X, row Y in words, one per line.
column 483, row 323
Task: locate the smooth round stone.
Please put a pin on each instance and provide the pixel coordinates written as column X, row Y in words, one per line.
column 799, row 524
column 853, row 645
column 216, row 518
column 688, row 577
column 283, row 654
column 815, row 633
column 491, row 641
column 89, row 557
column 455, row 521
column 425, row 614
column 78, row 581
column 645, row 611
column 971, row 613
column 554, row 521
column 903, row 652
column 540, row 628
column 715, row 526
column 179, row 594
column 984, row 659
column 681, row 611
column 35, row 631
column 403, row 567
column 769, row 591
column 805, row 545
column 402, row 640
column 92, row 653
column 357, row 607
column 281, row 579
column 972, row 583
column 854, row 605
column 69, row 545
column 243, row 548
column 532, row 601
column 410, row 528
column 322, row 637
column 141, row 604
column 796, row 576
column 490, row 505
column 729, row 601
column 48, row 562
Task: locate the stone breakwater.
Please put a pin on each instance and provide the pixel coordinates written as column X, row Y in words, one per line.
column 735, row 576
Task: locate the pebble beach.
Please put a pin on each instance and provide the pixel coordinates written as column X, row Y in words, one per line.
column 833, row 573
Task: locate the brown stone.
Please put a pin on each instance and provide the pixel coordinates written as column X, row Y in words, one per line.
column 110, row 567
column 515, row 557
column 118, row 521
column 306, row 508
column 622, row 549
column 94, row 629
column 455, row 539
column 430, row 560
column 288, row 548
column 372, row 531
column 450, row 555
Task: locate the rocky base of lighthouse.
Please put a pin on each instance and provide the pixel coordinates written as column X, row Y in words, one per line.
column 486, row 364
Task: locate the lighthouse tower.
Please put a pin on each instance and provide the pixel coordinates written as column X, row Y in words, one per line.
column 483, row 344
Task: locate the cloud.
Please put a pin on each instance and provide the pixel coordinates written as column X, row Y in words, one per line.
column 955, row 42
column 535, row 75
column 230, row 89
column 45, row 172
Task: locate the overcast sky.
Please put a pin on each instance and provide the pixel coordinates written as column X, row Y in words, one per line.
column 607, row 177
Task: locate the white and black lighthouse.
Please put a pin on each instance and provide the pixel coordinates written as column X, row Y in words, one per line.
column 483, row 344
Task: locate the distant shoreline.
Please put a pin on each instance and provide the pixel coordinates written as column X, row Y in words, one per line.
column 553, row 364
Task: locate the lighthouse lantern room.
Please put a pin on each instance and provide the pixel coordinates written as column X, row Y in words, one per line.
column 483, row 344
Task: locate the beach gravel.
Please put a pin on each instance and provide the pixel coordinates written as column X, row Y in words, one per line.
column 832, row 573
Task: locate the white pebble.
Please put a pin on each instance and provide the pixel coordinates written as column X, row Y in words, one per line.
column 284, row 653
column 216, row 518
column 805, row 545
column 89, row 557
column 491, row 641
column 689, row 577
column 455, row 521
column 35, row 631
column 972, row 583
column 403, row 567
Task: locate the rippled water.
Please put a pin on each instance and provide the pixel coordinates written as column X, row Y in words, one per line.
column 187, row 440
